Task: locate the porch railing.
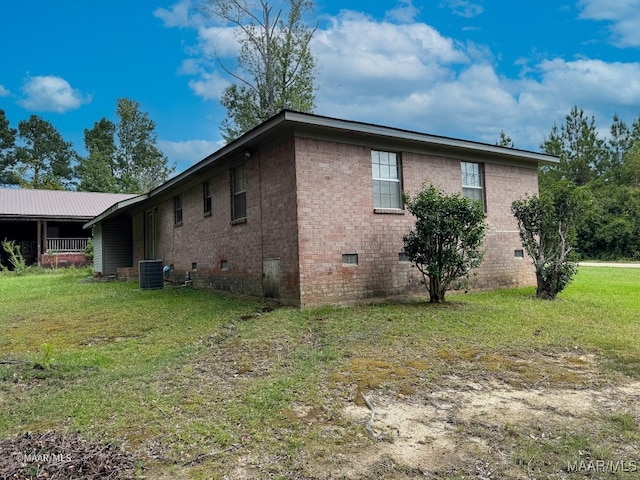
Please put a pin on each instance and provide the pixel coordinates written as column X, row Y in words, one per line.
column 56, row 245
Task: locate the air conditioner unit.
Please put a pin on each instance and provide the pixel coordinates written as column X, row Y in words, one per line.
column 150, row 273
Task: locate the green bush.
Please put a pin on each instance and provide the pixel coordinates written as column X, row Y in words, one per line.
column 444, row 245
column 88, row 251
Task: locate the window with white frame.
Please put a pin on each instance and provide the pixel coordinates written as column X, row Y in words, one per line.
column 472, row 182
column 387, row 188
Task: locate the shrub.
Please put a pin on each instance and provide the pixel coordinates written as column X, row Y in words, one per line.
column 445, row 243
column 547, row 227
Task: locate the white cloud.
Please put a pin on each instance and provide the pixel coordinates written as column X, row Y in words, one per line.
column 410, row 76
column 51, row 94
column 215, row 45
column 405, row 12
column 189, row 152
column 624, row 16
column 464, row 8
column 209, row 86
column 218, row 41
column 592, row 81
column 358, row 54
column 4, row 92
column 181, row 14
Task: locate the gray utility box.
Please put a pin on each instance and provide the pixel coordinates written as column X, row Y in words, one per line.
column 150, row 272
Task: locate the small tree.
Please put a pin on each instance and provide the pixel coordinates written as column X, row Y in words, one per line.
column 547, row 227
column 15, row 256
column 444, row 246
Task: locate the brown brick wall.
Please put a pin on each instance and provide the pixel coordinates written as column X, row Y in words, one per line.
column 309, row 202
column 335, row 206
column 60, row 260
column 208, row 240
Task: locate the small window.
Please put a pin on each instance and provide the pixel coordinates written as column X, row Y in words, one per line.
column 403, row 257
column 518, row 253
column 387, row 190
column 472, row 182
column 238, row 193
column 224, row 265
column 177, row 210
column 206, row 197
column 350, row 259
column 194, row 266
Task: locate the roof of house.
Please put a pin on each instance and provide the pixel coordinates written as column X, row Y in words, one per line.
column 298, row 123
column 17, row 203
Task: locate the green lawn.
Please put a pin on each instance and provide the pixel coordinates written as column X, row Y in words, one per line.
column 200, row 384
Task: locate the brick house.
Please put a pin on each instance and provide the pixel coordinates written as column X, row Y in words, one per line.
column 308, row 209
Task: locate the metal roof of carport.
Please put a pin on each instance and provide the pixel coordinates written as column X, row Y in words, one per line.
column 18, row 203
column 305, row 121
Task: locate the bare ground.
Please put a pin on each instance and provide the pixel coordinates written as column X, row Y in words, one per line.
column 495, row 417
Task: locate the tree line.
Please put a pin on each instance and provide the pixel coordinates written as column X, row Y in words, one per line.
column 122, row 156
column 605, row 172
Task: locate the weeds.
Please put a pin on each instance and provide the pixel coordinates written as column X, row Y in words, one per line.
column 16, row 259
column 46, row 357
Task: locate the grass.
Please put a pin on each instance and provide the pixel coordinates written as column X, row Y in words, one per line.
column 198, row 381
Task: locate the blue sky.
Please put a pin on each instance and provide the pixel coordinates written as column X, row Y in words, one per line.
column 459, row 68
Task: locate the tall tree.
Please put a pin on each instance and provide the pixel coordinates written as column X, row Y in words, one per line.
column 632, row 164
column 123, row 156
column 141, row 166
column 7, row 151
column 275, row 68
column 43, row 158
column 620, row 142
column 97, row 171
column 610, row 229
column 505, row 140
column 582, row 153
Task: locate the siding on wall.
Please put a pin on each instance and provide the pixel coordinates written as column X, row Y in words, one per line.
column 98, row 267
column 117, row 244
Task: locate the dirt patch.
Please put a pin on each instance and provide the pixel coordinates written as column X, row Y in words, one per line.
column 451, row 429
column 490, row 422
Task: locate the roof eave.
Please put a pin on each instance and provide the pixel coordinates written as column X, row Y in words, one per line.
column 115, row 208
column 237, row 145
column 400, row 134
